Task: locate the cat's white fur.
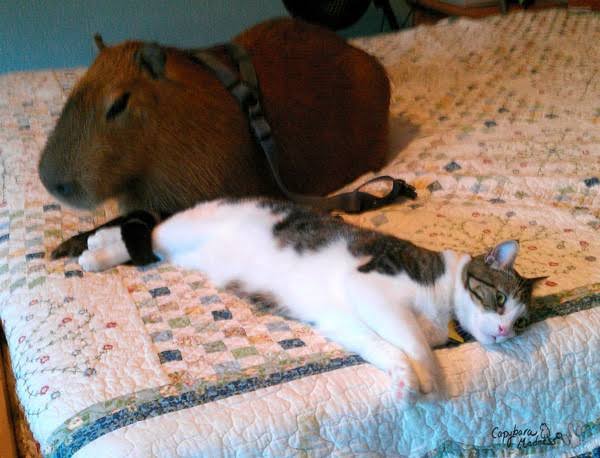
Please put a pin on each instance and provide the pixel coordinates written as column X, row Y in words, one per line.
column 390, row 321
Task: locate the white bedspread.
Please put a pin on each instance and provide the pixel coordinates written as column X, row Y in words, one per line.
column 497, row 124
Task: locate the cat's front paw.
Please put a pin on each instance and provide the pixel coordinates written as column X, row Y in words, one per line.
column 405, row 384
column 428, row 377
column 412, row 379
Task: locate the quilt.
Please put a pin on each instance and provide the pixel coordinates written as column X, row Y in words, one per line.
column 496, row 122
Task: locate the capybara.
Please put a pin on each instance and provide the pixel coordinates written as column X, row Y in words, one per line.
column 149, row 126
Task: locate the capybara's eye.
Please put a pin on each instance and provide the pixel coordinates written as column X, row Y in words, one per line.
column 118, row 106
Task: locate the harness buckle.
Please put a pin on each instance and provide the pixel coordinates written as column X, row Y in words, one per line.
column 245, row 95
column 260, row 128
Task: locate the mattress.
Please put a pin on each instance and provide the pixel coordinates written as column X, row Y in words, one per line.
column 495, row 122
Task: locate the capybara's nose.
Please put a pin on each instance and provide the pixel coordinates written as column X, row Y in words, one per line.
column 65, row 189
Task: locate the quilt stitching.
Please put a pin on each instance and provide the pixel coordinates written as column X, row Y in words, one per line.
column 101, row 419
column 485, row 153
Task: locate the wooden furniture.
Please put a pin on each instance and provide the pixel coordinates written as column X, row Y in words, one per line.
column 584, row 5
column 7, row 441
column 430, row 11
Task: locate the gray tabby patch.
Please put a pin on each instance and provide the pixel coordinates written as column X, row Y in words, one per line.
column 307, row 230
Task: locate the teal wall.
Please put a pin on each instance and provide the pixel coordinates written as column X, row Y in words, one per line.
column 38, row 34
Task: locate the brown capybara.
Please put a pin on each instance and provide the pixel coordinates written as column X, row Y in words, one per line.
column 149, row 126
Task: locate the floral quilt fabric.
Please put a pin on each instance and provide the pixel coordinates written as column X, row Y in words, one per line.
column 496, row 123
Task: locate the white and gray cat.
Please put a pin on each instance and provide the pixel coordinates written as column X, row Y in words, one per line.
column 384, row 298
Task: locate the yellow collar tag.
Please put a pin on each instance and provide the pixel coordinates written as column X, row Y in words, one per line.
column 452, row 334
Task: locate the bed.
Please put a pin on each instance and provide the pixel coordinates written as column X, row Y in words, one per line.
column 495, row 122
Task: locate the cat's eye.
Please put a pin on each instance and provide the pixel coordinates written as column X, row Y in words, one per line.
column 118, row 106
column 500, row 299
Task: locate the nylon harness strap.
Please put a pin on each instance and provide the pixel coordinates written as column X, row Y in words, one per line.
column 245, row 88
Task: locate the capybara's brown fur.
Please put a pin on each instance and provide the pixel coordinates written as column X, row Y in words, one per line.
column 149, row 126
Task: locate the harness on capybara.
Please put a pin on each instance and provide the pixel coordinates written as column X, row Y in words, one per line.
column 246, row 90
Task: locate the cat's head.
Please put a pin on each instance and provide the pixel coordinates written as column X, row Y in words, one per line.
column 493, row 298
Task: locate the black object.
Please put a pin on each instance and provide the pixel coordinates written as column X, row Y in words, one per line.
column 136, row 233
column 245, row 89
column 337, row 14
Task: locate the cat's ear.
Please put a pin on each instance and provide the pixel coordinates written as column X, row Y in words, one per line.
column 503, row 255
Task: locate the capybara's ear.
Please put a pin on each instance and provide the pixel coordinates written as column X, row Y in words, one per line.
column 151, row 58
column 99, row 42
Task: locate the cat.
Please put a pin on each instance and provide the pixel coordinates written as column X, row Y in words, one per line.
column 381, row 297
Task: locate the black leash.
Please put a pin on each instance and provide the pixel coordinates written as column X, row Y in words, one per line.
column 245, row 88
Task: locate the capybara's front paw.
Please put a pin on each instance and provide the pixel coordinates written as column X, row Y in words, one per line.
column 71, row 247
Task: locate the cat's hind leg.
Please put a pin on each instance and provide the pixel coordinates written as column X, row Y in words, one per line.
column 186, row 230
column 104, row 237
column 105, row 250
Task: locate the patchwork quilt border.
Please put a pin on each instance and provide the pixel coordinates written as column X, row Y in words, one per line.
column 106, row 417
column 109, row 416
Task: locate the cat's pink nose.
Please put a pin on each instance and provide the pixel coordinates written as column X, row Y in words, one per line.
column 502, row 331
